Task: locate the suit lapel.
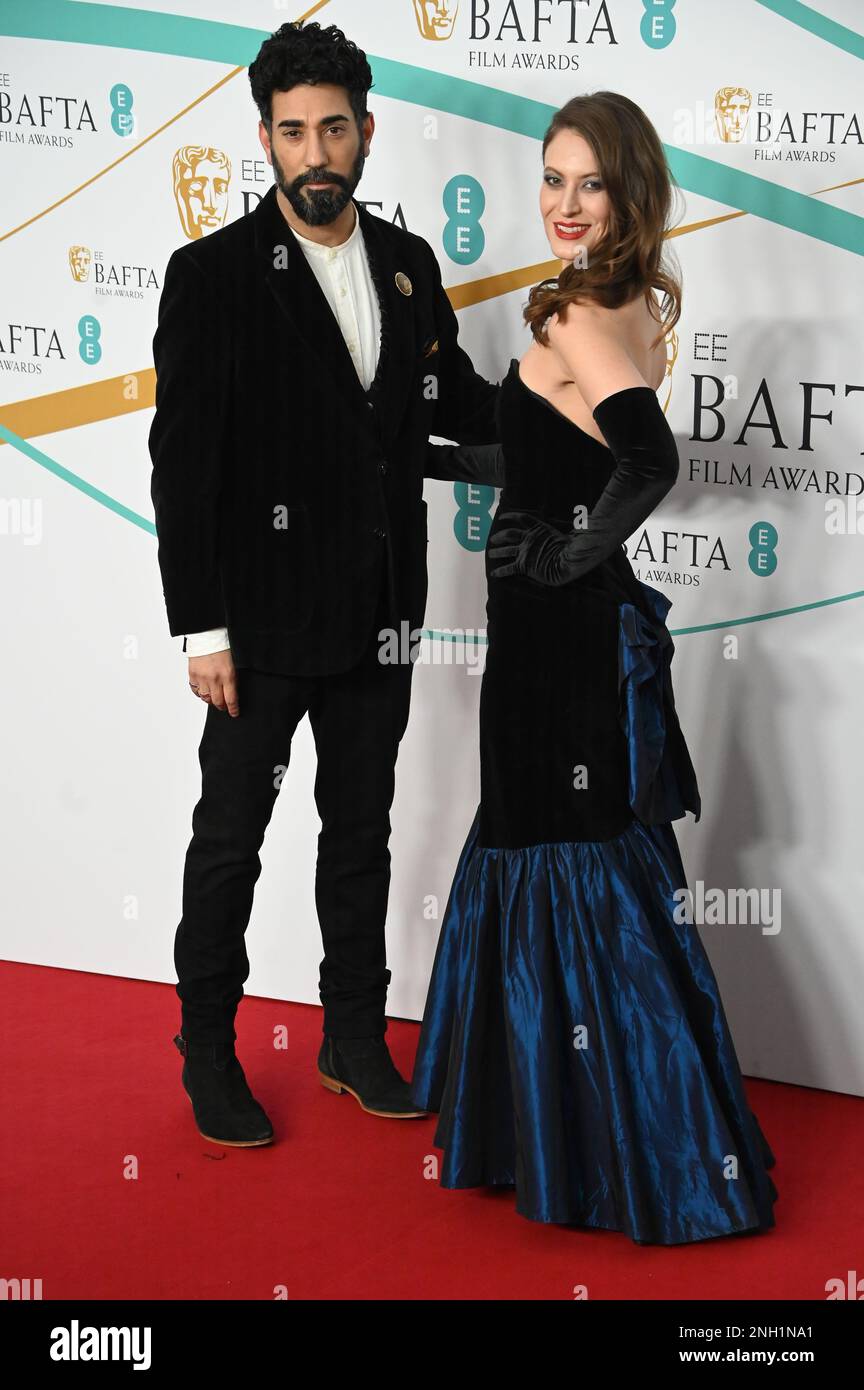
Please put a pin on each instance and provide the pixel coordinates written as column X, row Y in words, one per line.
column 301, row 299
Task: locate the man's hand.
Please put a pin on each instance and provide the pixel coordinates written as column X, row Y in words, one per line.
column 214, row 680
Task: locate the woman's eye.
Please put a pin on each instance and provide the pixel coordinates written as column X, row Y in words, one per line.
column 589, row 183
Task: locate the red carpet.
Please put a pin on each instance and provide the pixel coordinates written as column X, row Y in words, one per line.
column 109, row 1191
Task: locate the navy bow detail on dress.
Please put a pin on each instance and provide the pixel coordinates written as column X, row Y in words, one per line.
column 646, row 704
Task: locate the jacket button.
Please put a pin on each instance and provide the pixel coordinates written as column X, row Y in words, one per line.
column 382, row 468
column 379, row 531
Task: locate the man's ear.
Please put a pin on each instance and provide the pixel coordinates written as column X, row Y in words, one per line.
column 265, row 141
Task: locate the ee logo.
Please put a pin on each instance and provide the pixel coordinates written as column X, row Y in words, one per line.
column 122, row 120
column 464, row 203
column 657, row 26
column 89, row 332
column 763, row 540
column 473, row 518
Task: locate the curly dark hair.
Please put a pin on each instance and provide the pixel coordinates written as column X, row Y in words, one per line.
column 299, row 53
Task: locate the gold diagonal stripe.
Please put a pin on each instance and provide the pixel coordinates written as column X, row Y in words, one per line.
column 105, row 400
column 119, row 160
column 81, row 405
column 147, row 138
column 109, row 399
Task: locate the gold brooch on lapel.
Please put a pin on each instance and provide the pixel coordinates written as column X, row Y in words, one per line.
column 430, row 348
column 402, row 282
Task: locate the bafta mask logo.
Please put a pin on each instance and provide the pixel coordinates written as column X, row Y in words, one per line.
column 435, row 18
column 79, row 262
column 201, row 176
column 731, row 109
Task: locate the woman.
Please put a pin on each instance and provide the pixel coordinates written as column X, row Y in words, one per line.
column 573, row 1039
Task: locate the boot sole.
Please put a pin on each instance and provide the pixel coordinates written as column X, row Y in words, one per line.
column 236, row 1143
column 339, row 1086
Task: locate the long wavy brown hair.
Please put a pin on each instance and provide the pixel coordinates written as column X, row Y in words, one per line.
column 628, row 258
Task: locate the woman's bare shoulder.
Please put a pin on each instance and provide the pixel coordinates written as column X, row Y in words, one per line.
column 592, row 338
column 592, row 354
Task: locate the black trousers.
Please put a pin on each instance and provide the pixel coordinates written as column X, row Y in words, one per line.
column 358, row 718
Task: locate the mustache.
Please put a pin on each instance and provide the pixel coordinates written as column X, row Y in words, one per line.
column 322, row 176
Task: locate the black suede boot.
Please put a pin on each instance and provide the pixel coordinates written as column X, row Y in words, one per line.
column 226, row 1112
column 364, row 1068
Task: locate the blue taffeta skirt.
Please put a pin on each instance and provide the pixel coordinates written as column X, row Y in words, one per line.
column 575, row 1043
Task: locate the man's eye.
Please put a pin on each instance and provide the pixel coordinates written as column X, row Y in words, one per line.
column 340, row 130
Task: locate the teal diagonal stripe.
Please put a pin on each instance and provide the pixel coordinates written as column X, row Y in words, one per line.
column 818, row 24
column 762, row 198
column 482, row 640
column 75, row 480
column 118, row 508
column 157, row 32
column 150, row 31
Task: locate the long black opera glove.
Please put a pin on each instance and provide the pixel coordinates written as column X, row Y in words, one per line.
column 465, row 463
column 646, row 458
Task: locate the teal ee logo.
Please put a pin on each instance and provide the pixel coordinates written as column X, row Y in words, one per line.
column 122, row 120
column 657, row 25
column 763, row 540
column 464, row 203
column 89, row 332
column 473, row 519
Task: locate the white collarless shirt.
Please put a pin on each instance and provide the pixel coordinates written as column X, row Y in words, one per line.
column 346, row 280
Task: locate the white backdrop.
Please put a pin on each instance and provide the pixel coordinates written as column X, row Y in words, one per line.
column 100, row 732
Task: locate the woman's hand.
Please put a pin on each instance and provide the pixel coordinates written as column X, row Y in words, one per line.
column 533, row 548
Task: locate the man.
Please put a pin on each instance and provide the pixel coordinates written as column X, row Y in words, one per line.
column 289, row 447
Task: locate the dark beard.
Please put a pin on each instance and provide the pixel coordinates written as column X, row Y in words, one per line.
column 319, row 206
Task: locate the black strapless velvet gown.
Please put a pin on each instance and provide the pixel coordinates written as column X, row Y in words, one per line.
column 574, row 1040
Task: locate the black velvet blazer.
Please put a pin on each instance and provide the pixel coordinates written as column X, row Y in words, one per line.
column 286, row 497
